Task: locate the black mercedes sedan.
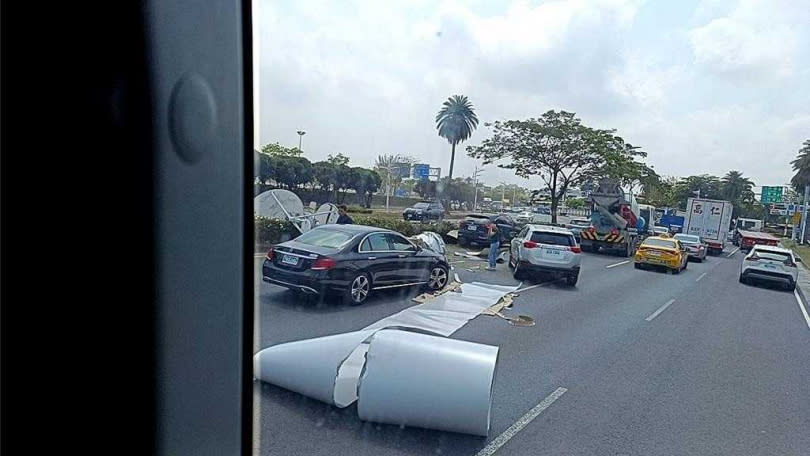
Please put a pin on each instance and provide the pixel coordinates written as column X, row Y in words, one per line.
column 353, row 260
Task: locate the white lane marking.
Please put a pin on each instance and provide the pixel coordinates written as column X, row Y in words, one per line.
column 499, row 441
column 732, row 252
column 658, row 312
column 801, row 306
column 701, row 276
column 616, row 264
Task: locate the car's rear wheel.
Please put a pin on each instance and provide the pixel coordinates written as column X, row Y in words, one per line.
column 359, row 289
column 676, row 270
column 743, row 279
column 637, row 265
column 462, row 242
column 571, row 280
column 438, row 278
column 791, row 286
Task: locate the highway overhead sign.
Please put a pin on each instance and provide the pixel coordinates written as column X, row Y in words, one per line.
column 771, row 195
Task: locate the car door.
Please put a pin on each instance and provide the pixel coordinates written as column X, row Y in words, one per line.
column 506, row 226
column 411, row 267
column 382, row 261
column 514, row 244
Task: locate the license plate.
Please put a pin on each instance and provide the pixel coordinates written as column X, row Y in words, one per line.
column 289, row 259
column 551, row 252
column 769, row 266
column 472, row 227
column 654, row 254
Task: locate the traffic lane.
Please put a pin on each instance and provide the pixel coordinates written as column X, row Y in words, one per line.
column 573, row 325
column 286, row 418
column 723, row 370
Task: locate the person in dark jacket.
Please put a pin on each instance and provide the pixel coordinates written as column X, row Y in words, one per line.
column 344, row 218
column 494, row 244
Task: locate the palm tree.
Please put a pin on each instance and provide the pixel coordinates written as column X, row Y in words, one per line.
column 735, row 186
column 456, row 122
column 802, row 167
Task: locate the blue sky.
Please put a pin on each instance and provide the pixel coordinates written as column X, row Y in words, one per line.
column 704, row 86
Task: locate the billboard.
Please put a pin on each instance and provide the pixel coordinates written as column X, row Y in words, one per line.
column 421, row 171
column 401, row 170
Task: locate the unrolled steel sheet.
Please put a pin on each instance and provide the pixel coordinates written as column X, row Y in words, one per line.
column 413, row 379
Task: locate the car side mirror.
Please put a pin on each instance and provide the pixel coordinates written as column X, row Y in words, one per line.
column 798, row 260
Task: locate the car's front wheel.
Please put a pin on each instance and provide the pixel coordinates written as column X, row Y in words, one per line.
column 359, row 289
column 438, row 278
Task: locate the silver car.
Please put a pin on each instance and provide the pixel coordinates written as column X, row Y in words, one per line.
column 545, row 249
column 695, row 247
column 770, row 263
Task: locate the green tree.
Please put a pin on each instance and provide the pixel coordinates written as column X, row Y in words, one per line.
column 455, row 122
column 277, row 150
column 557, row 147
column 735, row 187
column 801, row 165
column 389, row 169
column 426, row 189
column 704, row 185
column 338, row 159
column 365, row 182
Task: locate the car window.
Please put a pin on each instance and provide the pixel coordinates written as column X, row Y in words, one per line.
column 325, row 237
column 687, row 238
column 658, row 243
column 420, row 205
column 375, row 242
column 400, row 243
column 543, row 237
column 771, row 255
column 522, row 233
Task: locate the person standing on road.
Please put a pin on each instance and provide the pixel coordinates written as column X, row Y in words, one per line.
column 344, row 218
column 494, row 244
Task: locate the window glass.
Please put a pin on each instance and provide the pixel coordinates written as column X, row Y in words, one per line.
column 400, row 243
column 375, row 242
column 553, row 238
column 659, row 243
column 326, row 237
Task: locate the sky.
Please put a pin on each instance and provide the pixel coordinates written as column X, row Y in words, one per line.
column 703, row 86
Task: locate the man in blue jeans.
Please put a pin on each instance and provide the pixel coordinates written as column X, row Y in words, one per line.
column 494, row 245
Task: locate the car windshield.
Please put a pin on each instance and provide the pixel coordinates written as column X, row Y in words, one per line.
column 326, row 237
column 659, row 243
column 543, row 237
column 526, row 151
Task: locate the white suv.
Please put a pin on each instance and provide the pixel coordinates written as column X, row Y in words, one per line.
column 775, row 264
column 545, row 249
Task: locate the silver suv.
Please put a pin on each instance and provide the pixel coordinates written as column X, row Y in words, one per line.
column 545, row 249
column 775, row 264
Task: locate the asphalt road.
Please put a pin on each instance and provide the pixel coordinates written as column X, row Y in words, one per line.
column 642, row 363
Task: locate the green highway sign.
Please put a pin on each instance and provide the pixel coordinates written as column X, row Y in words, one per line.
column 771, row 195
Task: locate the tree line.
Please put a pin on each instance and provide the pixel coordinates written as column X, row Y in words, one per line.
column 284, row 167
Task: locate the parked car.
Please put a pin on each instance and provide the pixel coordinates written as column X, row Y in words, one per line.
column 770, row 263
column 524, row 217
column 545, row 249
column 353, row 261
column 576, row 226
column 542, row 210
column 473, row 229
column 695, row 247
column 425, row 210
column 663, row 252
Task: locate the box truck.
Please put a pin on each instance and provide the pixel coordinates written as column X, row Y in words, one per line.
column 709, row 219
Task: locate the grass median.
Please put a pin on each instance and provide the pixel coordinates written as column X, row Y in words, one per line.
column 802, row 250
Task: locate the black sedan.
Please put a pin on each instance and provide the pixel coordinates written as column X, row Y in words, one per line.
column 353, row 260
column 474, row 228
column 424, row 210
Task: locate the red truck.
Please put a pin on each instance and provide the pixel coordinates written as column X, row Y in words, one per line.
column 748, row 239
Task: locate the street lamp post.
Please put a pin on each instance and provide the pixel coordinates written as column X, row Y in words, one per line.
column 475, row 180
column 301, row 134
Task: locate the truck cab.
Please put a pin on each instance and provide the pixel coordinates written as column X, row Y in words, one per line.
column 745, row 224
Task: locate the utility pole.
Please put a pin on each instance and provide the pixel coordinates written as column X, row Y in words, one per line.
column 475, row 183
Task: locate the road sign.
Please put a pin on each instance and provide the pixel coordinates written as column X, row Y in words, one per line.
column 771, row 195
column 421, row 171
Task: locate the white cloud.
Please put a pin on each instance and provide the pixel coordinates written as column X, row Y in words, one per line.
column 756, row 41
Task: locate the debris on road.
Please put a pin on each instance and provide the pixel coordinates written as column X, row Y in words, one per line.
column 329, row 368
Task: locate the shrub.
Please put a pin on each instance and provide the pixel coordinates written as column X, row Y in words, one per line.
column 273, row 231
column 358, row 210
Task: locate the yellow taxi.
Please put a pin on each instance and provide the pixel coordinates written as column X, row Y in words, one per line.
column 660, row 251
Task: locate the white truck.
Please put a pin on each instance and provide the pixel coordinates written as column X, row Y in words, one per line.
column 709, row 219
